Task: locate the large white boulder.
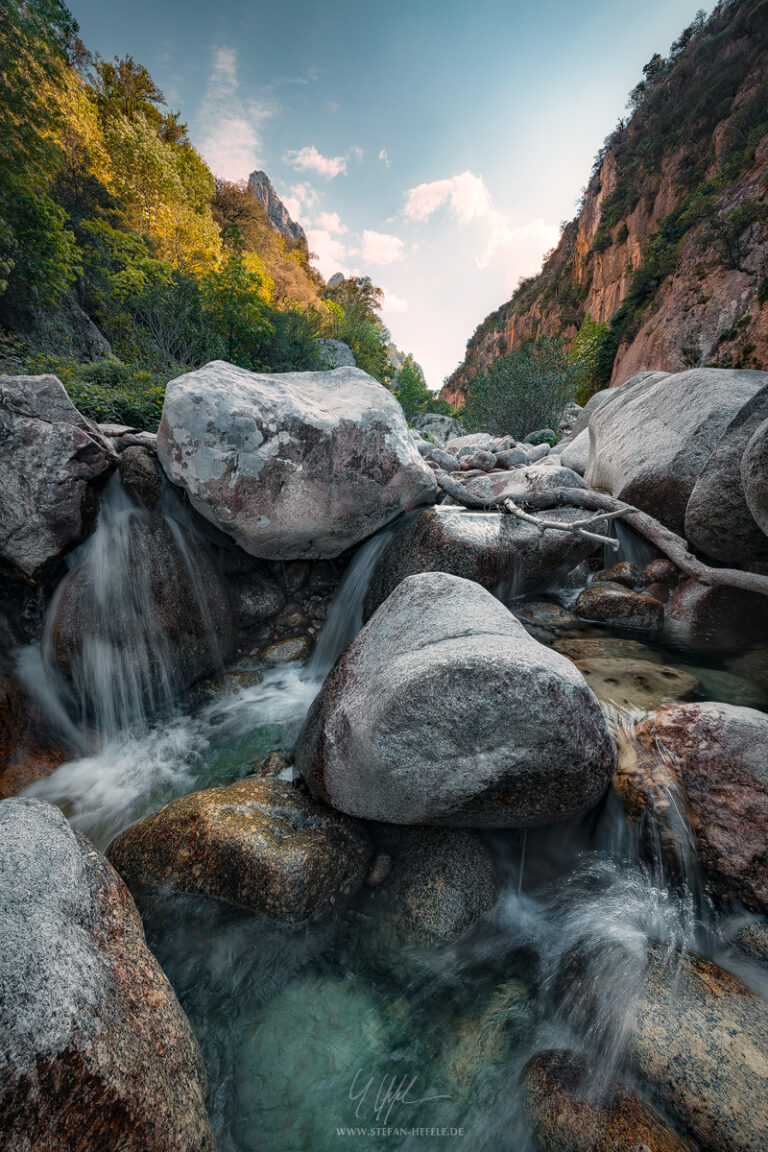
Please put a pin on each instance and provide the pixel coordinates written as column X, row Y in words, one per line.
column 293, row 465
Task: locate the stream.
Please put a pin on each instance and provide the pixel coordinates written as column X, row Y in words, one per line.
column 324, row 1037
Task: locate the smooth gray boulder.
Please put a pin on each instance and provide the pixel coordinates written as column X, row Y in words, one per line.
column 52, row 461
column 294, row 465
column 493, row 549
column 444, row 711
column 439, row 428
column 754, row 475
column 96, row 1051
column 336, row 354
column 576, row 454
column 474, row 441
column 718, row 520
column 650, row 442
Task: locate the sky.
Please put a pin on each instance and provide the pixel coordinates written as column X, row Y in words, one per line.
column 435, row 146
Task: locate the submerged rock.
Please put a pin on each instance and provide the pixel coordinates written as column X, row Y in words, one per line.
column 620, row 607
column 566, row 1113
column 96, row 1051
column 716, row 619
column 490, row 548
column 442, row 881
column 298, row 464
column 260, row 843
column 605, row 648
column 636, row 683
column 710, row 761
column 651, row 440
column 51, row 464
column 443, row 710
column 699, row 1040
column 476, row 1046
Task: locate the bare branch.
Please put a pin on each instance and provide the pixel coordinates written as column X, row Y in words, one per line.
column 577, row 527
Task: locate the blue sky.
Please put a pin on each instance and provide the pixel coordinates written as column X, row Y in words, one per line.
column 433, row 146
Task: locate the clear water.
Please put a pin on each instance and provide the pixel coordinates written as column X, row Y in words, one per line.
column 332, row 1037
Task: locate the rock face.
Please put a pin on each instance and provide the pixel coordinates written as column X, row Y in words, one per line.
column 96, row 1051
column 754, row 473
column 304, row 464
column 442, row 881
column 444, row 711
column 143, row 640
column 260, row 843
column 718, row 520
column 561, row 1107
column 27, row 750
column 650, row 443
column 262, row 189
column 490, row 548
column 699, row 1040
column 715, row 757
column 51, row 460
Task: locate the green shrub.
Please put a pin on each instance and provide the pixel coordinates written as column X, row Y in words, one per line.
column 106, row 390
column 523, row 391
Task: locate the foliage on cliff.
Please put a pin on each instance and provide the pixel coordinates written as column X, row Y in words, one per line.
column 109, row 215
column 671, row 233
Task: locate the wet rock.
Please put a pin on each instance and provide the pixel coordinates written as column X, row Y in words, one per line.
column 714, row 758
column 660, row 572
column 754, row 470
column 651, row 440
column 718, row 521
column 171, row 627
column 272, row 766
column 28, row 750
column 260, row 843
column 444, row 711
column 96, row 1052
column 141, row 477
column 255, row 598
column 220, row 687
column 636, row 683
column 566, row 1112
column 699, row 1040
column 52, row 462
column 442, row 881
column 292, row 465
column 286, row 651
column 626, row 573
column 490, row 548
column 620, row 608
column 716, row 619
column 658, row 591
column 752, row 940
column 476, row 1046
column 551, row 617
column 380, row 870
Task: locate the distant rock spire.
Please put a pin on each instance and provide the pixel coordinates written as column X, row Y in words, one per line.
column 263, row 190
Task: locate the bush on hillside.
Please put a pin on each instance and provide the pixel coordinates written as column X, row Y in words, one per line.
column 525, row 390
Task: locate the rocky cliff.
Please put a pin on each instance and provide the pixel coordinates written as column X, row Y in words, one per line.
column 668, row 252
column 279, row 218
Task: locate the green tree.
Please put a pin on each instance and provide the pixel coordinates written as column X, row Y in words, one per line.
column 584, row 355
column 526, row 390
column 410, row 388
column 360, row 325
column 234, row 308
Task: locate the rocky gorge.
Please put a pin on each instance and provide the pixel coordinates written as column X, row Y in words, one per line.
column 361, row 780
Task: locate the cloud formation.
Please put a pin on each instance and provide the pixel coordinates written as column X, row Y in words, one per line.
column 381, row 247
column 229, row 125
column 385, row 158
column 331, row 223
column 308, row 159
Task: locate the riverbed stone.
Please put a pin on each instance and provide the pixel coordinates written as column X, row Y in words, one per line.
column 443, row 710
column 256, row 597
column 626, row 572
column 651, row 440
column 636, row 683
column 718, row 520
column 140, row 475
column 52, row 463
column 714, row 759
column 97, row 1052
column 261, row 843
column 605, row 648
column 716, row 618
column 291, row 465
column 699, row 1040
column 620, row 607
column 566, row 1112
column 490, row 548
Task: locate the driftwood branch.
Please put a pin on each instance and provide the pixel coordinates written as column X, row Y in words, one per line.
column 608, row 507
column 577, row 527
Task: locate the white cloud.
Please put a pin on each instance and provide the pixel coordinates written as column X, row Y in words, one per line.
column 383, row 156
column 330, row 222
column 300, row 202
column 393, row 303
column 332, row 254
column 466, row 195
column 228, row 123
column 308, row 159
column 381, row 248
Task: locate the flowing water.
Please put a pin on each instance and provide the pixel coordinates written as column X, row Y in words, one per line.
column 332, row 1037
